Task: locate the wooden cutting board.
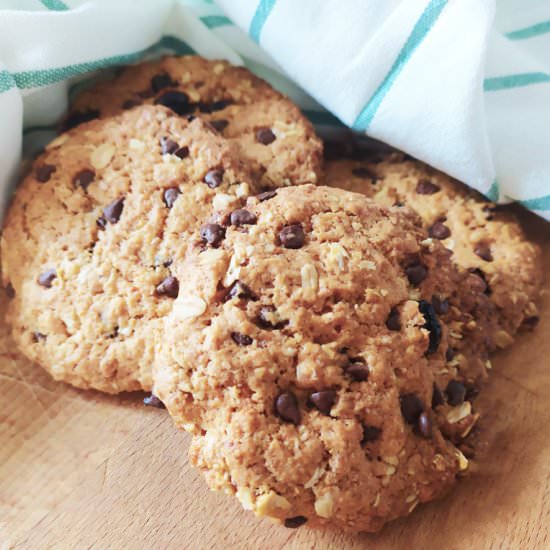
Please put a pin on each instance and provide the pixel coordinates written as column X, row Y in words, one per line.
column 81, row 470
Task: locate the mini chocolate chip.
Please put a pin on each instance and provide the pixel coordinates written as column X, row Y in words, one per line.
column 425, row 425
column 529, row 323
column 129, row 103
column 358, row 370
column 243, row 217
column 113, row 211
column 83, row 178
column 297, row 521
column 266, row 195
column 292, row 236
column 161, row 81
column 456, row 392
column 78, row 117
column 432, row 325
column 177, row 101
column 483, row 284
column 46, row 278
column 37, row 337
column 265, row 319
column 472, row 392
column 153, row 401
column 484, row 252
column 168, row 287
column 286, row 407
column 241, row 339
column 265, row 136
column 364, row 173
column 214, row 178
column 489, row 211
column 370, row 433
column 214, row 105
column 220, row 124
column 323, row 400
column 393, row 322
column 441, row 305
column 168, row 146
column 182, row 152
column 426, row 187
column 416, row 273
column 167, row 263
column 10, row 291
column 170, row 195
column 411, row 407
column 44, row 172
column 101, row 222
column 212, row 233
column 449, row 354
column 439, row 231
column 437, row 397
column 242, row 291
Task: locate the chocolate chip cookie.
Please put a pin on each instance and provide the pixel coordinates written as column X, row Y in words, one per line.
column 308, row 353
column 92, row 232
column 272, row 134
column 485, row 240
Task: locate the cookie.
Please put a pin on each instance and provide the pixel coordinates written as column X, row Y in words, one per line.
column 485, row 240
column 303, row 353
column 89, row 239
column 270, row 130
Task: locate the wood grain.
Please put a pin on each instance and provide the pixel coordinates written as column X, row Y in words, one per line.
column 84, row 470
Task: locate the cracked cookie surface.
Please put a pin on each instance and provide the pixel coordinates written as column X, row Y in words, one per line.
column 270, row 131
column 303, row 353
column 91, row 233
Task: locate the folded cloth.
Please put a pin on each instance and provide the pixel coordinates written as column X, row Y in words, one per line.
column 451, row 82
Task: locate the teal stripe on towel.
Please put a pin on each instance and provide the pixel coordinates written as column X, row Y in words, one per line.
column 215, row 21
column 493, row 192
column 514, row 81
column 260, row 17
column 540, row 203
column 530, row 32
column 55, row 5
column 6, row 81
column 420, row 30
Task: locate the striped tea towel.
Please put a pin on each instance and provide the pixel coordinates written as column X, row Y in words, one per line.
column 449, row 81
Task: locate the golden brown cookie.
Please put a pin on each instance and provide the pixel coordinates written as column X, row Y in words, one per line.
column 303, row 351
column 90, row 236
column 485, row 240
column 269, row 129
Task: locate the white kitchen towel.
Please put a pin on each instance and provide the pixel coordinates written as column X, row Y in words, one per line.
column 448, row 81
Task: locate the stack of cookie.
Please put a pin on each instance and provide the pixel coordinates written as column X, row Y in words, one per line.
column 320, row 328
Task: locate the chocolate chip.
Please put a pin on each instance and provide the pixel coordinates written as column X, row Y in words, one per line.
column 130, row 103
column 416, row 273
column 78, row 117
column 83, row 178
column 265, row 136
column 37, row 337
column 153, row 401
column 432, row 325
column 286, row 407
column 484, row 252
column 182, row 152
column 46, row 279
column 426, row 187
column 101, row 222
column 449, row 354
column 439, row 231
column 267, row 319
column 170, row 195
column 168, row 287
column 364, row 173
column 220, row 124
column 292, row 236
column 370, row 433
column 358, row 370
column 437, row 397
column 161, row 81
column 44, row 172
column 441, row 305
column 214, row 105
column 456, row 392
column 242, row 291
column 266, row 195
column 113, row 211
column 529, row 323
column 481, row 279
column 241, row 339
column 243, row 217
column 425, row 425
column 323, row 400
column 212, row 233
column 411, row 407
column 177, row 101
column 214, row 178
column 293, row 523
column 10, row 291
column 393, row 322
column 168, row 146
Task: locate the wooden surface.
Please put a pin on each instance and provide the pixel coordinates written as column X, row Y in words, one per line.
column 82, row 470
